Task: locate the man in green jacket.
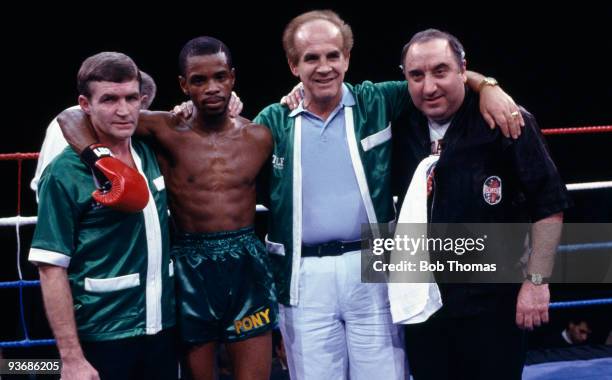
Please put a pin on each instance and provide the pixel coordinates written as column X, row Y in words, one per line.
column 106, row 275
column 331, row 174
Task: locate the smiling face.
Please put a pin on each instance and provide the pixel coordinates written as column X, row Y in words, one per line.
column 208, row 81
column 436, row 81
column 322, row 63
column 113, row 108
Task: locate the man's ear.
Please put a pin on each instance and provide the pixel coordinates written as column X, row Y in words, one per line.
column 347, row 55
column 294, row 68
column 183, row 84
column 464, row 70
column 84, row 104
column 233, row 75
column 144, row 98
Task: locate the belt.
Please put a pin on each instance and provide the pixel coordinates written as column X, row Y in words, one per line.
column 332, row 248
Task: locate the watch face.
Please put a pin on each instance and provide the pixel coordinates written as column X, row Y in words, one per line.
column 536, row 279
column 488, row 81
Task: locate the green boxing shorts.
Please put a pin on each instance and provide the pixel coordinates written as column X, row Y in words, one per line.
column 225, row 290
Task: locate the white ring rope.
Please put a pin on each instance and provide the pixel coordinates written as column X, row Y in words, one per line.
column 27, row 220
column 589, row 185
column 17, row 220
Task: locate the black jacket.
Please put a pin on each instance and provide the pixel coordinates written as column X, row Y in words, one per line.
column 481, row 177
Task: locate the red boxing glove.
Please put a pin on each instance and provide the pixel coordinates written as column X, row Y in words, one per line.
column 119, row 186
column 128, row 191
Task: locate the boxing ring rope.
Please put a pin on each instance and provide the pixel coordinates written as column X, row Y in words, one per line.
column 582, row 303
column 28, row 220
column 603, row 245
column 19, row 220
column 589, row 185
column 20, row 284
column 576, row 130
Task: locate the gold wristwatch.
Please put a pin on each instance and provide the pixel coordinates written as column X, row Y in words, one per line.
column 487, row 81
column 536, row 278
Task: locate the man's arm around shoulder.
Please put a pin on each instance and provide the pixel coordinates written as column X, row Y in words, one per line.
column 78, row 132
column 151, row 123
column 76, row 128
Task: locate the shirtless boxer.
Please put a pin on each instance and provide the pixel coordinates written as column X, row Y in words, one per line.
column 210, row 162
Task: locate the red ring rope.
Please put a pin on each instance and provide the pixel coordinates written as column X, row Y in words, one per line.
column 18, row 156
column 577, row 130
column 550, row 131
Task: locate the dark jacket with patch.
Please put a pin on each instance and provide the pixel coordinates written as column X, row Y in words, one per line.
column 481, row 177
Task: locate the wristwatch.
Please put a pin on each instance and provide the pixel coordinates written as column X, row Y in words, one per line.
column 487, row 81
column 536, row 278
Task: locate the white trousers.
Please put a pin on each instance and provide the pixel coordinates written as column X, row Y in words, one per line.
column 341, row 328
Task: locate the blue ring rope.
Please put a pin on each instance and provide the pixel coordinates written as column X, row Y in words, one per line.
column 553, row 306
column 27, row 343
column 585, row 247
column 19, row 284
column 46, row 342
column 580, row 303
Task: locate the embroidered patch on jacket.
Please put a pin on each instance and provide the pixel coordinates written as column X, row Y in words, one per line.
column 278, row 162
column 492, row 190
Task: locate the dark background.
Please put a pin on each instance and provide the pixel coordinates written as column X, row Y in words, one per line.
column 555, row 62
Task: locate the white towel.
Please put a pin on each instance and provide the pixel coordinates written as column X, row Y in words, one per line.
column 415, row 302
